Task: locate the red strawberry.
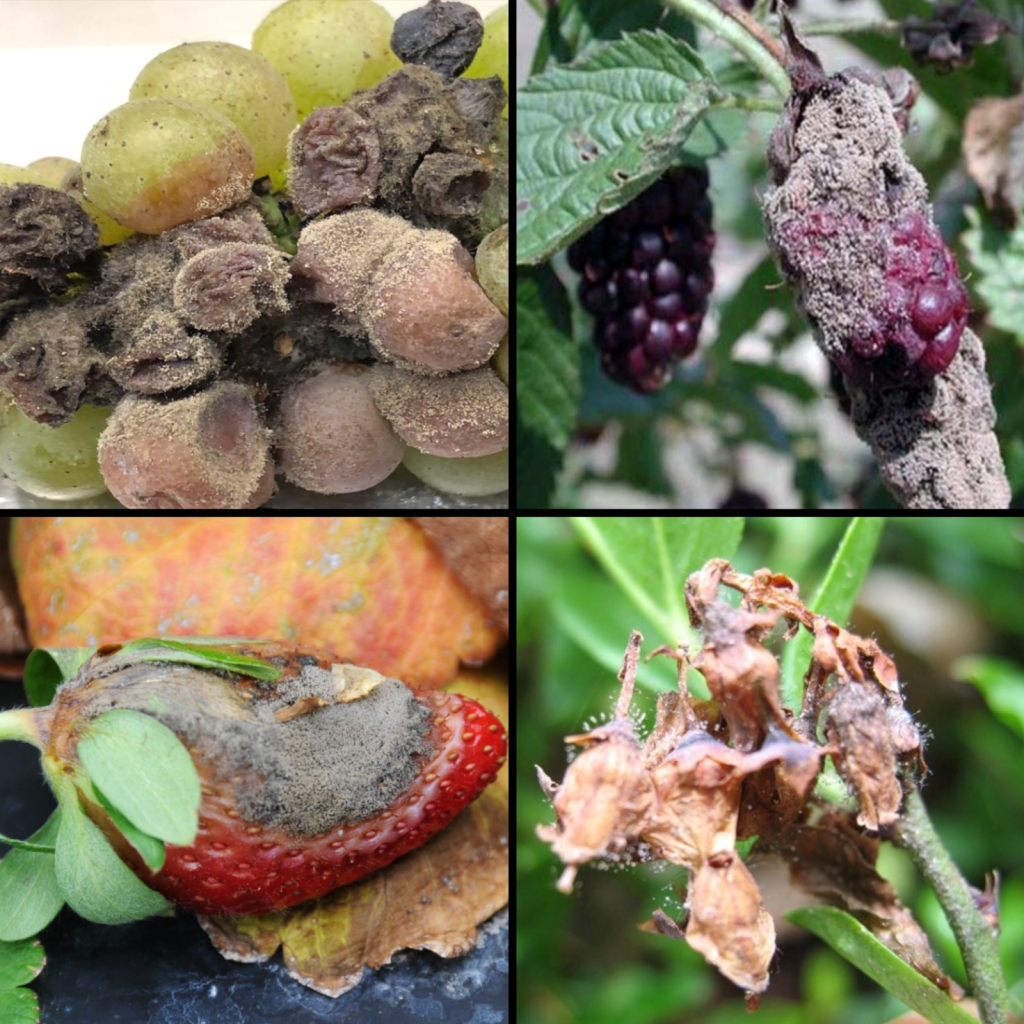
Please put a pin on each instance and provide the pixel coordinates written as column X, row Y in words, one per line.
column 277, row 761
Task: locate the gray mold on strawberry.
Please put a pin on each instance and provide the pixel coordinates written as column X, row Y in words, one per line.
column 338, row 764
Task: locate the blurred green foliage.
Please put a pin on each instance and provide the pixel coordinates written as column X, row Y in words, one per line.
column 582, row 958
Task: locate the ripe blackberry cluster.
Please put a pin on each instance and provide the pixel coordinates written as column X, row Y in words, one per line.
column 646, row 278
column 924, row 314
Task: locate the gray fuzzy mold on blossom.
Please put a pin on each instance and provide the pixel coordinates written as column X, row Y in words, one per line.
column 849, row 222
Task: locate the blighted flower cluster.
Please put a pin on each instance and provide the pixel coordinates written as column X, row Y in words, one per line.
column 741, row 766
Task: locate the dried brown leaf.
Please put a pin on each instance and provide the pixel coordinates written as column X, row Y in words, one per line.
column 993, row 149
column 836, row 863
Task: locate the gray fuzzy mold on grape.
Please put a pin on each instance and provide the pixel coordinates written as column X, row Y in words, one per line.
column 464, row 415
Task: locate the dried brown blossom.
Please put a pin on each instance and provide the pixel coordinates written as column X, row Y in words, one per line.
column 856, row 726
column 742, row 764
column 727, row 923
column 948, row 37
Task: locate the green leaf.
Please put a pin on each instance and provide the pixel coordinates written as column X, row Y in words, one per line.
column 743, row 310
column 640, row 459
column 998, row 257
column 850, row 939
column 20, row 963
column 47, row 667
column 202, row 653
column 584, row 22
column 547, row 359
column 593, row 135
column 145, row 772
column 151, row 850
column 597, row 616
column 537, row 465
column 97, row 884
column 19, row 1006
column 29, row 895
column 1001, row 684
column 835, row 598
column 649, row 557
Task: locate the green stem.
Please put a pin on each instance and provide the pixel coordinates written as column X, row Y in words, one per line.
column 756, row 103
column 978, row 942
column 20, row 724
column 887, row 27
column 739, row 32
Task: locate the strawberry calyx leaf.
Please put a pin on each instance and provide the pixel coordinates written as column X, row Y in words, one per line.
column 96, row 883
column 150, row 848
column 24, row 844
column 48, row 667
column 144, row 771
column 30, row 897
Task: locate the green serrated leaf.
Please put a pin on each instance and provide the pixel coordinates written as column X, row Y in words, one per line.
column 47, row 667
column 835, row 597
column 202, row 653
column 593, row 135
column 649, row 557
column 151, row 850
column 850, row 939
column 145, row 772
column 547, row 359
column 97, row 884
column 998, row 257
column 29, row 895
column 19, row 1006
column 20, row 963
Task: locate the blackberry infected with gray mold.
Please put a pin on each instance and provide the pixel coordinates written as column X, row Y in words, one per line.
column 647, row 276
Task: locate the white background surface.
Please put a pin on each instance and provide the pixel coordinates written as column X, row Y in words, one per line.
column 64, row 64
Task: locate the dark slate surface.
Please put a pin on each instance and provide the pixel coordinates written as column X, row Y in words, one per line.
column 166, row 971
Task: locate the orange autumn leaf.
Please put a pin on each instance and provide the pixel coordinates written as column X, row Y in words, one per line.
column 434, row 898
column 367, row 588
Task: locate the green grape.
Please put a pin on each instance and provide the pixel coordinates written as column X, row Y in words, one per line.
column 501, row 361
column 492, row 267
column 154, row 164
column 492, row 57
column 494, row 211
column 50, row 171
column 235, row 82
column 110, row 231
column 327, row 49
column 471, row 478
column 53, row 462
column 11, row 175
